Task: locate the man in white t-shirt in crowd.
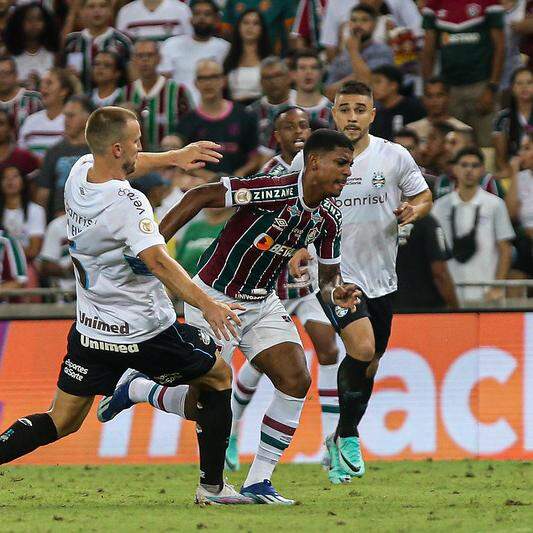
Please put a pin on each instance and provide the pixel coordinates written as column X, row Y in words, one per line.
column 478, row 229
column 154, row 19
column 180, row 55
column 385, row 191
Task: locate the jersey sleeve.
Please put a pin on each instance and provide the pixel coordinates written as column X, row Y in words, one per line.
column 328, row 243
column 494, row 14
column 502, row 223
column 412, row 181
column 36, row 221
column 298, row 162
column 51, row 249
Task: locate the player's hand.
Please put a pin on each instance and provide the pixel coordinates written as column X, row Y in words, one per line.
column 406, row 213
column 298, row 263
column 221, row 318
column 195, row 155
column 347, row 295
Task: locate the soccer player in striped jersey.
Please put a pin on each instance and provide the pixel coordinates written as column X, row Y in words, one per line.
column 275, row 216
column 160, row 102
column 291, row 129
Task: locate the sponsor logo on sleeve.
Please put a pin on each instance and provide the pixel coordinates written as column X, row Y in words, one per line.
column 146, row 225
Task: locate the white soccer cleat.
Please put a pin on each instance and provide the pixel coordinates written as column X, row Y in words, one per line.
column 227, row 496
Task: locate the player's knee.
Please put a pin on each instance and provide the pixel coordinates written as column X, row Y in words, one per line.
column 328, row 355
column 295, row 383
column 365, row 351
column 65, row 425
column 220, row 375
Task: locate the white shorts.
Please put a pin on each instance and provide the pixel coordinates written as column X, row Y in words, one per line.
column 264, row 324
column 306, row 308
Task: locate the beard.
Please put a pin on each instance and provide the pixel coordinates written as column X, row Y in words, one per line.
column 129, row 167
column 204, row 30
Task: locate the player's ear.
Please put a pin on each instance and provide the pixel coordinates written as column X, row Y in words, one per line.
column 277, row 137
column 116, row 150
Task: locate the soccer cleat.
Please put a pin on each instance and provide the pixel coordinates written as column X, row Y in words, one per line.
column 232, row 454
column 336, row 474
column 111, row 406
column 350, row 458
column 264, row 492
column 227, row 496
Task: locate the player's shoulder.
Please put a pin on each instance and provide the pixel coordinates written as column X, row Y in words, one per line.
column 331, row 210
column 390, row 148
column 490, row 199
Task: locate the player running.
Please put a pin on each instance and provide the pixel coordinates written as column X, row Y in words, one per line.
column 291, row 130
column 382, row 173
column 124, row 316
column 276, row 216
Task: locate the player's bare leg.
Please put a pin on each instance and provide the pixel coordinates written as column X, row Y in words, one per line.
column 29, row 433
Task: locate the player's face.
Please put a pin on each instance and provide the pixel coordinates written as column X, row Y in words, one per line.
column 353, row 114
column 308, row 74
column 332, row 170
column 292, row 131
column 469, row 170
column 436, row 99
column 131, row 146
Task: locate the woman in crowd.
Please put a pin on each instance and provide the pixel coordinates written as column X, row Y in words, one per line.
column 32, row 38
column 249, row 45
column 109, row 78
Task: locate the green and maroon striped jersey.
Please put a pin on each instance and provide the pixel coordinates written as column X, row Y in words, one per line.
column 25, row 103
column 272, row 222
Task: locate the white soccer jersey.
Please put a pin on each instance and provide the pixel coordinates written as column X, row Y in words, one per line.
column 38, row 132
column 108, row 225
column 381, row 174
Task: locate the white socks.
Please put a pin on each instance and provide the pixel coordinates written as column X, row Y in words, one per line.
column 244, row 386
column 329, row 398
column 168, row 399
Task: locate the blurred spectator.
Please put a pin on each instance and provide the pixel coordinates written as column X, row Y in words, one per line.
column 393, row 111
column 511, row 123
column 81, row 47
column 478, row 229
column 17, row 101
column 514, row 15
column 180, row 55
column 276, row 85
column 278, row 15
column 10, row 154
column 13, row 267
column 5, row 11
column 161, row 103
column 61, row 157
column 358, row 54
column 46, row 127
column 404, row 45
column 409, row 139
column 525, row 29
column 470, row 41
column 32, row 38
column 154, row 19
column 250, row 44
column 307, row 22
column 109, row 79
column 223, row 122
column 436, row 101
column 307, row 74
column 21, row 218
column 153, row 186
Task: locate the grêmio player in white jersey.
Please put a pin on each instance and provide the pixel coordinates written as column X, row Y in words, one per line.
column 124, row 317
column 385, row 190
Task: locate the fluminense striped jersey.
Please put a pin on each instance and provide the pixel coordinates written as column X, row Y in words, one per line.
column 272, row 222
column 80, row 48
column 13, row 266
column 160, row 109
column 265, row 113
column 319, row 115
column 39, row 132
column 21, row 106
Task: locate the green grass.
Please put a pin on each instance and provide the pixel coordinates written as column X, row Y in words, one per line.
column 405, row 496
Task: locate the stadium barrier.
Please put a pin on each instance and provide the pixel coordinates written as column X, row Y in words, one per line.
column 451, row 386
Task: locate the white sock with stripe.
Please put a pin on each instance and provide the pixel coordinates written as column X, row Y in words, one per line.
column 244, row 386
column 329, row 398
column 168, row 399
column 278, row 427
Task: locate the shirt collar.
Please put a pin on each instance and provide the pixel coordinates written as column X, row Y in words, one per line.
column 476, row 199
column 301, row 192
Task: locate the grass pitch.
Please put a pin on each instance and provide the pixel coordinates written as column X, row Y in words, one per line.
column 403, row 496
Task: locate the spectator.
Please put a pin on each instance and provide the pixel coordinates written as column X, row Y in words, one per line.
column 161, row 103
column 514, row 16
column 470, row 41
column 358, row 53
column 5, row 10
column 22, row 219
column 81, row 46
column 436, row 101
column 13, row 267
column 61, row 157
column 409, row 139
column 478, row 228
column 109, row 79
column 46, row 127
column 223, row 122
column 306, row 25
column 17, row 101
column 511, row 123
column 307, row 75
column 10, row 154
column 180, row 55
column 250, row 44
column 393, row 111
column 278, row 15
column 32, row 38
column 153, row 186
column 276, row 85
column 525, row 29
column 433, row 156
column 154, row 19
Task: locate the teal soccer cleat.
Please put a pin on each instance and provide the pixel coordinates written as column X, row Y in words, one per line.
column 336, row 474
column 350, row 458
column 232, row 454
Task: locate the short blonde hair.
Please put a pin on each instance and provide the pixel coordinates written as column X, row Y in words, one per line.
column 106, row 127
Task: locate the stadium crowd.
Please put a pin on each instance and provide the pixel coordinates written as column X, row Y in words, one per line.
column 452, row 83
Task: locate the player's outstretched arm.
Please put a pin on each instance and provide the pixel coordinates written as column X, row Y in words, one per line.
column 194, row 200
column 333, row 290
column 415, row 208
column 220, row 317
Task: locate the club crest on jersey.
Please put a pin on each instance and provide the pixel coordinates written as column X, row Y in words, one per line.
column 243, row 196
column 293, row 210
column 378, row 180
column 263, row 242
column 340, row 311
column 146, row 225
column 311, row 236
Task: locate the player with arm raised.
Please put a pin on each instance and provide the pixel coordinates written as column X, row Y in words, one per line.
column 384, row 192
column 124, row 316
column 276, row 216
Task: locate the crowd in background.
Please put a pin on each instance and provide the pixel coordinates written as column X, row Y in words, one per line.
column 452, row 83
